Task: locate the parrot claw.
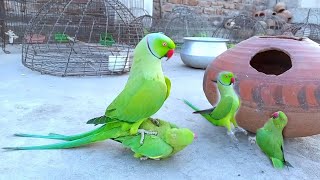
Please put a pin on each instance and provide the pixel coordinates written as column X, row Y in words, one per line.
column 240, row 129
column 143, row 158
column 155, row 121
column 233, row 137
column 143, row 132
column 252, row 140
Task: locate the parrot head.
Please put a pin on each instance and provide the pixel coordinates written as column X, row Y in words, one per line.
column 179, row 138
column 160, row 45
column 279, row 119
column 225, row 78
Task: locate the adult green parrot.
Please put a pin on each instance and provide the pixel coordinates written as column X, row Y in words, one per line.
column 270, row 139
column 223, row 114
column 169, row 140
column 143, row 95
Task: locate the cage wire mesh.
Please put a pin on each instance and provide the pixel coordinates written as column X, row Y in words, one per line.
column 138, row 11
column 182, row 22
column 147, row 22
column 81, row 37
column 18, row 13
column 2, row 27
column 239, row 28
column 310, row 26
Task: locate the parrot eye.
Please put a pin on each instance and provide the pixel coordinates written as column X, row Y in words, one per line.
column 164, row 44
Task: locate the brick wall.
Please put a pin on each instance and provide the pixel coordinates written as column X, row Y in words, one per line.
column 214, row 10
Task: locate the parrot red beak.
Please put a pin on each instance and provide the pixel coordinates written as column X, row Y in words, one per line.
column 275, row 115
column 195, row 136
column 233, row 80
column 170, row 54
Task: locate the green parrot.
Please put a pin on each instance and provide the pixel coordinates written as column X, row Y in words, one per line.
column 143, row 95
column 270, row 139
column 223, row 114
column 169, row 140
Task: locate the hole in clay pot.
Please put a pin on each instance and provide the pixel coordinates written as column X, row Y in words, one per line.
column 271, row 62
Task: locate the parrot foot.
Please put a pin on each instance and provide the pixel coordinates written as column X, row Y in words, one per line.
column 233, row 137
column 155, row 121
column 240, row 129
column 143, row 132
column 143, row 158
column 252, row 140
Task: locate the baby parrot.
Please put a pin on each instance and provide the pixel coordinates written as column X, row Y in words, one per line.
column 143, row 95
column 169, row 140
column 270, row 139
column 223, row 114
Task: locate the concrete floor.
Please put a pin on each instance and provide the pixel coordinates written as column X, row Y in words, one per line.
column 31, row 102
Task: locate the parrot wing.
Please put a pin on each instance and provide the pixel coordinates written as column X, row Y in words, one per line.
column 285, row 162
column 152, row 147
column 138, row 100
column 223, row 108
column 168, row 83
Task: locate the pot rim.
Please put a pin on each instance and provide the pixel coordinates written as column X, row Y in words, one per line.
column 206, row 39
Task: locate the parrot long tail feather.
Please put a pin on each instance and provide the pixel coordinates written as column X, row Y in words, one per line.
column 65, row 145
column 207, row 116
column 286, row 163
column 191, row 105
column 60, row 136
column 205, row 111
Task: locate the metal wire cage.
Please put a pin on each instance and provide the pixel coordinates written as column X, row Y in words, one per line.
column 182, row 22
column 81, row 37
column 18, row 13
column 239, row 28
column 2, row 26
column 310, row 27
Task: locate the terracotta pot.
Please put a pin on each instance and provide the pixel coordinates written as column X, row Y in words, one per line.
column 279, row 7
column 259, row 14
column 273, row 73
column 286, row 15
column 269, row 12
column 35, row 38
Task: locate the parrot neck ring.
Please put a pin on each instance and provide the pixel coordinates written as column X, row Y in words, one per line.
column 150, row 49
column 216, row 81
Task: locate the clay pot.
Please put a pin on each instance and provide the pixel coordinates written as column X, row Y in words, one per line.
column 273, row 73
column 279, row 7
column 229, row 24
column 269, row 12
column 286, row 15
column 271, row 23
column 259, row 14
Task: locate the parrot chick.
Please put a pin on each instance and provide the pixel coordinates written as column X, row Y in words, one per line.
column 270, row 139
column 223, row 114
column 169, row 139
